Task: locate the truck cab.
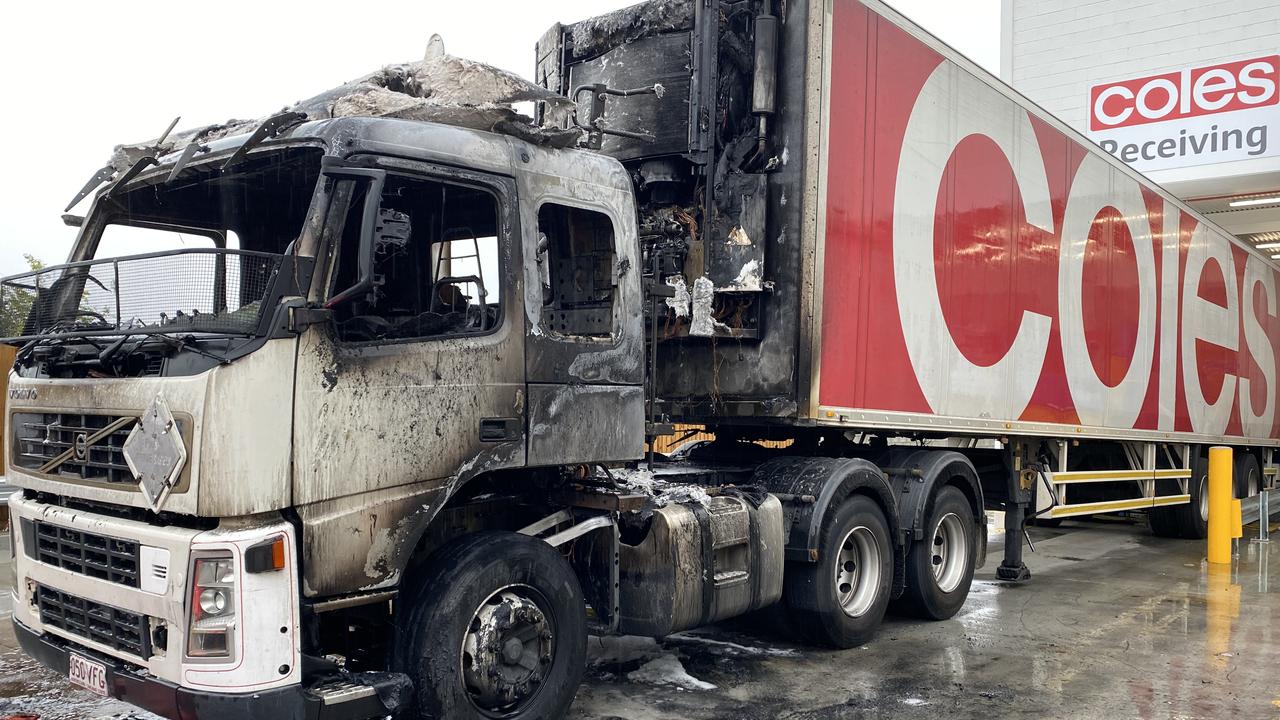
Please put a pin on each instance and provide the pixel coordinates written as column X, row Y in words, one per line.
column 262, row 375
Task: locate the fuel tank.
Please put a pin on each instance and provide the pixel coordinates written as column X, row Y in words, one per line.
column 698, row 564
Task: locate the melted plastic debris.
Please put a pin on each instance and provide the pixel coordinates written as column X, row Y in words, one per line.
column 748, row 279
column 702, row 324
column 653, row 664
column 661, row 492
column 602, row 33
column 440, row 88
column 668, row 670
column 680, row 302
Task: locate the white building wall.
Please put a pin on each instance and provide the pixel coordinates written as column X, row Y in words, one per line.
column 1055, row 50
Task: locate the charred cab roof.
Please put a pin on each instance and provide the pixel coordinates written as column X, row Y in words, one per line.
column 435, row 143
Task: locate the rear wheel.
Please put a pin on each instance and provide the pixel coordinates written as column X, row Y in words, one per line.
column 1248, row 475
column 940, row 565
column 1191, row 520
column 840, row 600
column 495, row 628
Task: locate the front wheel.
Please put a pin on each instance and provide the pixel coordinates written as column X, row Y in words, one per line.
column 495, row 628
column 940, row 565
column 840, row 600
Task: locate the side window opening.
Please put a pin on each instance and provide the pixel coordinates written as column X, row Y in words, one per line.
column 439, row 274
column 576, row 258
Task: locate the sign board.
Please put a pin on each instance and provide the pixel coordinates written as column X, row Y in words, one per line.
column 1189, row 117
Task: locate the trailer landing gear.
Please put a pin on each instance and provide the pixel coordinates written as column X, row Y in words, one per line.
column 1012, row 569
column 1020, row 495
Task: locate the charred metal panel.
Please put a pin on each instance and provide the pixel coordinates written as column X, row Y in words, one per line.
column 365, row 542
column 549, row 63
column 585, row 424
column 116, row 397
column 232, row 467
column 600, row 185
column 248, row 470
column 662, row 59
column 706, row 373
column 735, row 261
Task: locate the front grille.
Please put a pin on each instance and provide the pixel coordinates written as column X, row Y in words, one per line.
column 115, row 628
column 42, row 437
column 83, row 553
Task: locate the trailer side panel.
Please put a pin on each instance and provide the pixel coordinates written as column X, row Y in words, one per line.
column 994, row 271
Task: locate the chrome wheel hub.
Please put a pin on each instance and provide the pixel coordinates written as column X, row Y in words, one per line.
column 507, row 651
column 950, row 552
column 857, row 572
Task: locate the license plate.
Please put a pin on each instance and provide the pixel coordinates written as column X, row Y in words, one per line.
column 90, row 675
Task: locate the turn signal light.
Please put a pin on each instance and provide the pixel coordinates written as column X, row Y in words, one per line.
column 266, row 556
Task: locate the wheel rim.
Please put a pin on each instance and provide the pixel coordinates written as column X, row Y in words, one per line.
column 857, row 572
column 950, row 552
column 507, row 651
column 1252, row 486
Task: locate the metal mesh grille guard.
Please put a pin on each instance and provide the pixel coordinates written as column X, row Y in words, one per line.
column 190, row 290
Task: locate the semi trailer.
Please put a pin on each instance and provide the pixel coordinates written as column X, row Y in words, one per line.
column 354, row 414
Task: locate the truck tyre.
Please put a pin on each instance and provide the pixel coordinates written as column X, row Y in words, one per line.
column 495, row 627
column 1248, row 475
column 940, row 565
column 840, row 600
column 1190, row 521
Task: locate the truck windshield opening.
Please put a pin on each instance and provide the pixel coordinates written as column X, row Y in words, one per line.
column 199, row 254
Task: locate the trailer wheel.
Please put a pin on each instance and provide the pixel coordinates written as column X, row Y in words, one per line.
column 1248, row 475
column 940, row 565
column 840, row 600
column 495, row 628
column 1190, row 521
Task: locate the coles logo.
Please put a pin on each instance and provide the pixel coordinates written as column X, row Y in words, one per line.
column 1188, row 93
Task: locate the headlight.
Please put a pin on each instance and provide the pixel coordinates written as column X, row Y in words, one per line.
column 213, row 609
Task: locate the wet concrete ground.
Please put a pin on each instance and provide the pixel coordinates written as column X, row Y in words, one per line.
column 1114, row 624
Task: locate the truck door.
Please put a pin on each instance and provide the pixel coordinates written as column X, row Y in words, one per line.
column 417, row 382
column 584, row 344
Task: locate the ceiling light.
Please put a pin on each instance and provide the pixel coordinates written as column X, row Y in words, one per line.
column 1250, row 202
column 1269, row 246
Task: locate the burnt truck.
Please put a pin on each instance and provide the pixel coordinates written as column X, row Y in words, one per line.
column 355, row 413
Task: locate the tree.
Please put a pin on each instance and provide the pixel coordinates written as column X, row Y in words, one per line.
column 16, row 302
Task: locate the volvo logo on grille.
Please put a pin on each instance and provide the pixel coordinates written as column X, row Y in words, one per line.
column 27, row 393
column 81, row 446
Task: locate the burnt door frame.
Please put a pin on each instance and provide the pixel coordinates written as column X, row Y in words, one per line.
column 586, row 396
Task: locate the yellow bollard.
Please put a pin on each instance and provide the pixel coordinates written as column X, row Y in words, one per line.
column 1220, row 496
column 1237, row 520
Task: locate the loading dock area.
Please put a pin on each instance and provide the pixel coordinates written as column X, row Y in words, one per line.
column 1116, row 624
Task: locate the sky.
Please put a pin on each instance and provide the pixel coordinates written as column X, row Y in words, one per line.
column 82, row 77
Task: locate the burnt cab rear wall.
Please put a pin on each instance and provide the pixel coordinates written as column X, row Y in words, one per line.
column 767, row 370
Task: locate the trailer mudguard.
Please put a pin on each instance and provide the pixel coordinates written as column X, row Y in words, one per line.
column 915, row 472
column 811, row 487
